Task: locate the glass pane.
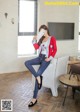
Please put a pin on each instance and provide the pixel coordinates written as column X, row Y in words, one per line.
column 26, row 16
column 79, row 43
column 25, row 45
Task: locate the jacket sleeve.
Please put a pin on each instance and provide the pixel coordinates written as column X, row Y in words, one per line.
column 54, row 49
column 35, row 44
column 54, row 46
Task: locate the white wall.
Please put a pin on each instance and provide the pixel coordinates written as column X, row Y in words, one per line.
column 9, row 61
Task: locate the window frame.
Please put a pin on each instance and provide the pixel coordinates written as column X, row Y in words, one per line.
column 35, row 20
column 35, row 26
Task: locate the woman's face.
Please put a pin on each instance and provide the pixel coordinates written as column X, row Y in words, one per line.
column 45, row 32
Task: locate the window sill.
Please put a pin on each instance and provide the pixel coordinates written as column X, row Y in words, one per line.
column 28, row 56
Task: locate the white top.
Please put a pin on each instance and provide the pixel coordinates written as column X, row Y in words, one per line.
column 44, row 48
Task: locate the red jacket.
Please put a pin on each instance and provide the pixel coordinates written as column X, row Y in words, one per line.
column 52, row 47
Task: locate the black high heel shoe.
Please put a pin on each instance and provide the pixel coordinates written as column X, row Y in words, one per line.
column 40, row 84
column 31, row 104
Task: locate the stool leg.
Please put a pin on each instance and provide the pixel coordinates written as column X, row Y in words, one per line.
column 65, row 95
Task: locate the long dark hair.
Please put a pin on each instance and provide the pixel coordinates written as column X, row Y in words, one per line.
column 45, row 28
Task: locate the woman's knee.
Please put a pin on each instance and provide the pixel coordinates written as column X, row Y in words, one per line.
column 26, row 63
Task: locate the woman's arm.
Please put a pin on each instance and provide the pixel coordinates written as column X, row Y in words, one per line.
column 35, row 44
column 54, row 47
column 53, row 43
column 53, row 50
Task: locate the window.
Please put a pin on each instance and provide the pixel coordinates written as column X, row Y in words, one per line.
column 79, row 31
column 27, row 26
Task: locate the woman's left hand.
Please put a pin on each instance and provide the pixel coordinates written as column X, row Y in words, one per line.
column 47, row 59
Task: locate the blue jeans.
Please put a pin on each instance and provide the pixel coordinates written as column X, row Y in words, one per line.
column 43, row 65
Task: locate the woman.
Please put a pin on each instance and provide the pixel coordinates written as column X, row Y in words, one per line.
column 47, row 50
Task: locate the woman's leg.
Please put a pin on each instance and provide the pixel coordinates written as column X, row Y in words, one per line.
column 34, row 100
column 35, row 90
column 31, row 62
column 42, row 68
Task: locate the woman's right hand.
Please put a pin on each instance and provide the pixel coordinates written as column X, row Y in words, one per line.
column 35, row 37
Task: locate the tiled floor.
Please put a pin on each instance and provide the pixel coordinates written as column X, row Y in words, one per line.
column 18, row 86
